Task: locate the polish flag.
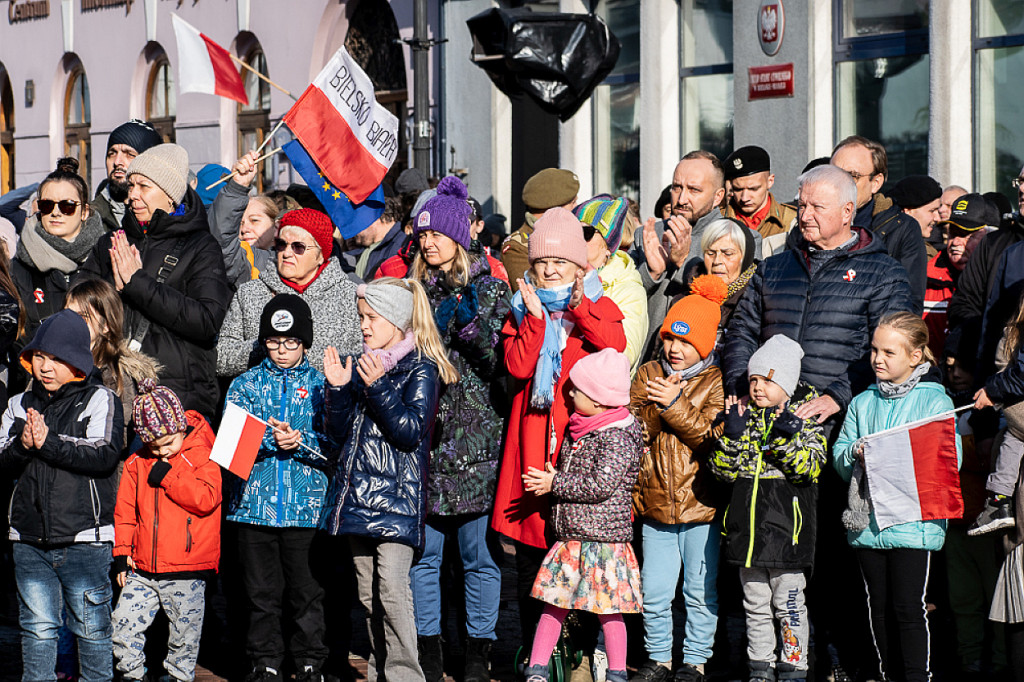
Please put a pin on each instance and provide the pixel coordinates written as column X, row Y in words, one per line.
column 204, row 66
column 913, row 473
column 349, row 136
column 238, row 441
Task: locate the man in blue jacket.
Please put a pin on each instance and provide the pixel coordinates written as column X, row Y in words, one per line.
column 827, row 292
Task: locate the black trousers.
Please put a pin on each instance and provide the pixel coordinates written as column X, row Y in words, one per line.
column 283, row 597
column 896, row 581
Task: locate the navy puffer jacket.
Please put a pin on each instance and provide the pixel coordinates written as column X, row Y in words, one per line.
column 379, row 487
column 831, row 315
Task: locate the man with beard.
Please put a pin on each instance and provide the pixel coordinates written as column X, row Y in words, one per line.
column 749, row 174
column 126, row 141
column 967, row 225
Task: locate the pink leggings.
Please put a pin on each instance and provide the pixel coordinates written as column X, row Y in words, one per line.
column 550, row 627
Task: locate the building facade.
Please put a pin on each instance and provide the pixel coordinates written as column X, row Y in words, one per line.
column 934, row 81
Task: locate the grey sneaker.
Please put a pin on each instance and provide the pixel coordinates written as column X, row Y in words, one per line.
column 997, row 514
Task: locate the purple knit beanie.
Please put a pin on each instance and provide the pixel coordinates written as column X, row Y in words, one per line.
column 447, row 212
column 157, row 412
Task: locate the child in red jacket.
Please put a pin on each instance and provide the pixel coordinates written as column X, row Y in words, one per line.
column 166, row 531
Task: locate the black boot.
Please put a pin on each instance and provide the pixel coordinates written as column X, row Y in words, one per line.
column 431, row 658
column 477, row 664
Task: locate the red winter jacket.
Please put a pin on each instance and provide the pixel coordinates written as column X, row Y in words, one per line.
column 176, row 527
column 535, row 436
column 942, row 279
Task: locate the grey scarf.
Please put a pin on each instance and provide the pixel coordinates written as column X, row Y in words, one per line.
column 44, row 252
column 890, row 390
column 692, row 370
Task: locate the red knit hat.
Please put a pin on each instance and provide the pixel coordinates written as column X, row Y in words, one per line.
column 316, row 223
column 558, row 234
column 695, row 318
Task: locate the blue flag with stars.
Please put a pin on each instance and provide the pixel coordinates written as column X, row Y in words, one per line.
column 349, row 218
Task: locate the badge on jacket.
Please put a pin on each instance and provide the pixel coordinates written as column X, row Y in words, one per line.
column 302, row 393
column 850, row 275
column 38, row 295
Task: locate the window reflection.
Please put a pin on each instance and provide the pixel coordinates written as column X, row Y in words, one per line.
column 999, row 101
column 877, row 17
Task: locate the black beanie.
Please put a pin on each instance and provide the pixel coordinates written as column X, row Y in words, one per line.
column 287, row 315
column 65, row 336
column 139, row 135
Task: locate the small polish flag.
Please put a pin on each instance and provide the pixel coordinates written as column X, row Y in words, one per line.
column 238, row 441
column 913, row 473
column 204, row 66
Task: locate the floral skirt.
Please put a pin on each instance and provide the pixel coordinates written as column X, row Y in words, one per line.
column 600, row 577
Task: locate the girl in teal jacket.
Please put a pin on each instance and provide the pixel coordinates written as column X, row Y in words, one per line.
column 895, row 561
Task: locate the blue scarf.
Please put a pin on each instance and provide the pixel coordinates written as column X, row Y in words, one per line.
column 549, row 364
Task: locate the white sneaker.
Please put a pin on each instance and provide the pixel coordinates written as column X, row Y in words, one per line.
column 599, row 665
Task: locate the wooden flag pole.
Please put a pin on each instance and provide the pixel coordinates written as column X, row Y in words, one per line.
column 234, row 173
column 270, row 137
column 263, row 78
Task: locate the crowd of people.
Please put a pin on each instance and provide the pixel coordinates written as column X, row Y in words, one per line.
column 672, row 422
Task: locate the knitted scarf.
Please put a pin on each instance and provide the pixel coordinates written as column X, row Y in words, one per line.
column 549, row 364
column 45, row 252
column 888, row 389
column 742, row 281
column 389, row 357
column 580, row 425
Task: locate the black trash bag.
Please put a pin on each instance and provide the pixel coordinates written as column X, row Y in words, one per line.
column 557, row 59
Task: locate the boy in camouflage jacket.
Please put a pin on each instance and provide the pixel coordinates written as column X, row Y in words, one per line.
column 773, row 458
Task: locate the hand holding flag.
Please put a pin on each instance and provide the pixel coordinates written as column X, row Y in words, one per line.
column 240, row 437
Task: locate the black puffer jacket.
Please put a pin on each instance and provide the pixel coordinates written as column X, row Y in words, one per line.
column 976, row 281
column 903, row 241
column 65, row 491
column 831, row 315
column 379, row 487
column 186, row 311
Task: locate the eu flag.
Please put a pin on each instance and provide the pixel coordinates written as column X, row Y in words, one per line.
column 349, row 218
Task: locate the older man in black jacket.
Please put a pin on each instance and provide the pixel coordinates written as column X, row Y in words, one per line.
column 865, row 160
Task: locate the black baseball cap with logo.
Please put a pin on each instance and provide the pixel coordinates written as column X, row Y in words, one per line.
column 969, row 213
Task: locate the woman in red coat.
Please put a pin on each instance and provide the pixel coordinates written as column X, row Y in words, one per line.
column 558, row 316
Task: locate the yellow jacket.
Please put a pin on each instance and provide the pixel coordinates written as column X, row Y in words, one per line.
column 623, row 285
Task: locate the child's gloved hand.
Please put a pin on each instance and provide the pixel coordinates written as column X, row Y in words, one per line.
column 468, row 307
column 735, row 421
column 159, row 469
column 120, row 568
column 787, row 425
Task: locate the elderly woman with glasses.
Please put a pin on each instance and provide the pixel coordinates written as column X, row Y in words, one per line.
column 54, row 243
column 304, row 246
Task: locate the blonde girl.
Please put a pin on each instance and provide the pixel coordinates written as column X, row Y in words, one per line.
column 894, row 561
column 382, row 416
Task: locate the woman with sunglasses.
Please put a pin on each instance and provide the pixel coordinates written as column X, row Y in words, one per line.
column 54, row 243
column 169, row 273
column 305, row 266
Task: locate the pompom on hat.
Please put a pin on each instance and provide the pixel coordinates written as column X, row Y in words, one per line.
column 603, row 376
column 157, row 412
column 558, row 234
column 695, row 318
column 447, row 212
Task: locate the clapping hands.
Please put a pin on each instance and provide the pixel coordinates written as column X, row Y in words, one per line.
column 125, row 260
column 35, row 432
column 665, row 390
column 369, row 367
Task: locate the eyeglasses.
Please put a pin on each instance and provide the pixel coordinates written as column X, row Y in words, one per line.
column 298, row 248
column 289, row 343
column 67, row 207
column 1017, row 182
column 857, row 176
column 588, row 232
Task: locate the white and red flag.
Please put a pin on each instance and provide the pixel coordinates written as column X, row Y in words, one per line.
column 238, row 441
column 913, row 473
column 351, row 138
column 204, row 66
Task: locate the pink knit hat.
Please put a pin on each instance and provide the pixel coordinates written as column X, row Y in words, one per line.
column 558, row 234
column 604, row 377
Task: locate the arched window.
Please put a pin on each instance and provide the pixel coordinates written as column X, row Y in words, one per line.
column 161, row 98
column 77, row 117
column 254, row 118
column 6, row 133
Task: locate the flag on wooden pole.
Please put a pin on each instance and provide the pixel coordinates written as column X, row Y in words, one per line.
column 204, row 66
column 351, row 138
column 238, row 441
column 912, row 471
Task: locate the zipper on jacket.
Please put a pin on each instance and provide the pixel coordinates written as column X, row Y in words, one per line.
column 798, row 521
column 188, row 533
column 279, row 463
column 156, row 524
column 753, row 496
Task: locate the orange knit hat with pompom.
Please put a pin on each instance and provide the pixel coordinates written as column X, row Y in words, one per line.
column 695, row 318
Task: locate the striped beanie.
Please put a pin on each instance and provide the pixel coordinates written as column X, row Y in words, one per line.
column 157, row 412
column 607, row 215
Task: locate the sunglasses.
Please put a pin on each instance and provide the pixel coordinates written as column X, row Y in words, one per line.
column 588, row 232
column 67, row 207
column 298, row 248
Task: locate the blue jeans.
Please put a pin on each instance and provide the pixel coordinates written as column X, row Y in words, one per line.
column 75, row 578
column 667, row 548
column 481, row 575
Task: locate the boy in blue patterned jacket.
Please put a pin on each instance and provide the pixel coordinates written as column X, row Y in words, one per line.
column 773, row 458
column 277, row 509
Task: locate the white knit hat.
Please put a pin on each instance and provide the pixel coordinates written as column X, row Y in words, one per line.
column 167, row 166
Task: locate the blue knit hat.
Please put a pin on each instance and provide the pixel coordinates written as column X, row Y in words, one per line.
column 448, row 212
column 65, row 336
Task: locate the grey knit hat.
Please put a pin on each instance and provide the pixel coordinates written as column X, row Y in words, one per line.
column 167, row 166
column 390, row 301
column 778, row 360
